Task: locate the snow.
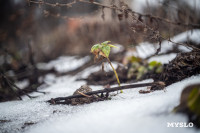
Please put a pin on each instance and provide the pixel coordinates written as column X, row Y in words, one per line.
column 22, row 84
column 127, row 112
column 62, row 63
column 146, row 49
column 164, row 59
column 138, row 5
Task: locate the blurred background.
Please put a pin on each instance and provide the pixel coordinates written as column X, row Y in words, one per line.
column 52, row 31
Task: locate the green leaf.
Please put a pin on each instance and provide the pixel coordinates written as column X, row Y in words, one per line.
column 154, row 64
column 112, row 46
column 106, row 50
column 134, row 59
column 141, row 71
column 106, row 42
column 95, row 47
column 194, row 100
column 159, row 69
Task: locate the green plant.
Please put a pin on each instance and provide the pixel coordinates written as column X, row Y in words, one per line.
column 102, row 50
column 189, row 103
column 139, row 67
column 155, row 65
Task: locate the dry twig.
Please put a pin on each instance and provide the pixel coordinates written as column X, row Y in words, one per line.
column 60, row 100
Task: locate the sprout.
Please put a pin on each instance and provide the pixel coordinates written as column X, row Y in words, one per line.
column 102, row 51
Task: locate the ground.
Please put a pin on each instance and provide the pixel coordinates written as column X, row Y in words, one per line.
column 127, row 112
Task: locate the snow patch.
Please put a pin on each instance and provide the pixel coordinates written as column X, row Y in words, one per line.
column 146, row 49
column 65, row 63
column 164, row 59
column 138, row 5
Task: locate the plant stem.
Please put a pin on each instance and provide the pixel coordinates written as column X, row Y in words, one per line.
column 114, row 71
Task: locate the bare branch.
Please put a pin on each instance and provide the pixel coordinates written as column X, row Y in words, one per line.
column 133, row 15
column 106, row 90
column 52, row 4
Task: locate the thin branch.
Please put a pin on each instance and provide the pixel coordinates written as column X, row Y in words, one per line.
column 83, row 94
column 168, row 21
column 52, row 4
column 106, row 90
column 132, row 13
column 145, row 15
column 11, row 84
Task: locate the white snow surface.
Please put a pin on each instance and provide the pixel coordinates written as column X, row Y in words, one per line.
column 127, row 112
column 64, row 63
column 164, row 59
column 138, row 5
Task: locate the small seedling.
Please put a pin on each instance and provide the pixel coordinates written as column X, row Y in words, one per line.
column 102, row 51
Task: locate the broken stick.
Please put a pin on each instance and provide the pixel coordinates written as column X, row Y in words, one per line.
column 106, row 90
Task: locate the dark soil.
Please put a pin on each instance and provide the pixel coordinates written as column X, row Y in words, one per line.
column 183, row 66
column 104, row 78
